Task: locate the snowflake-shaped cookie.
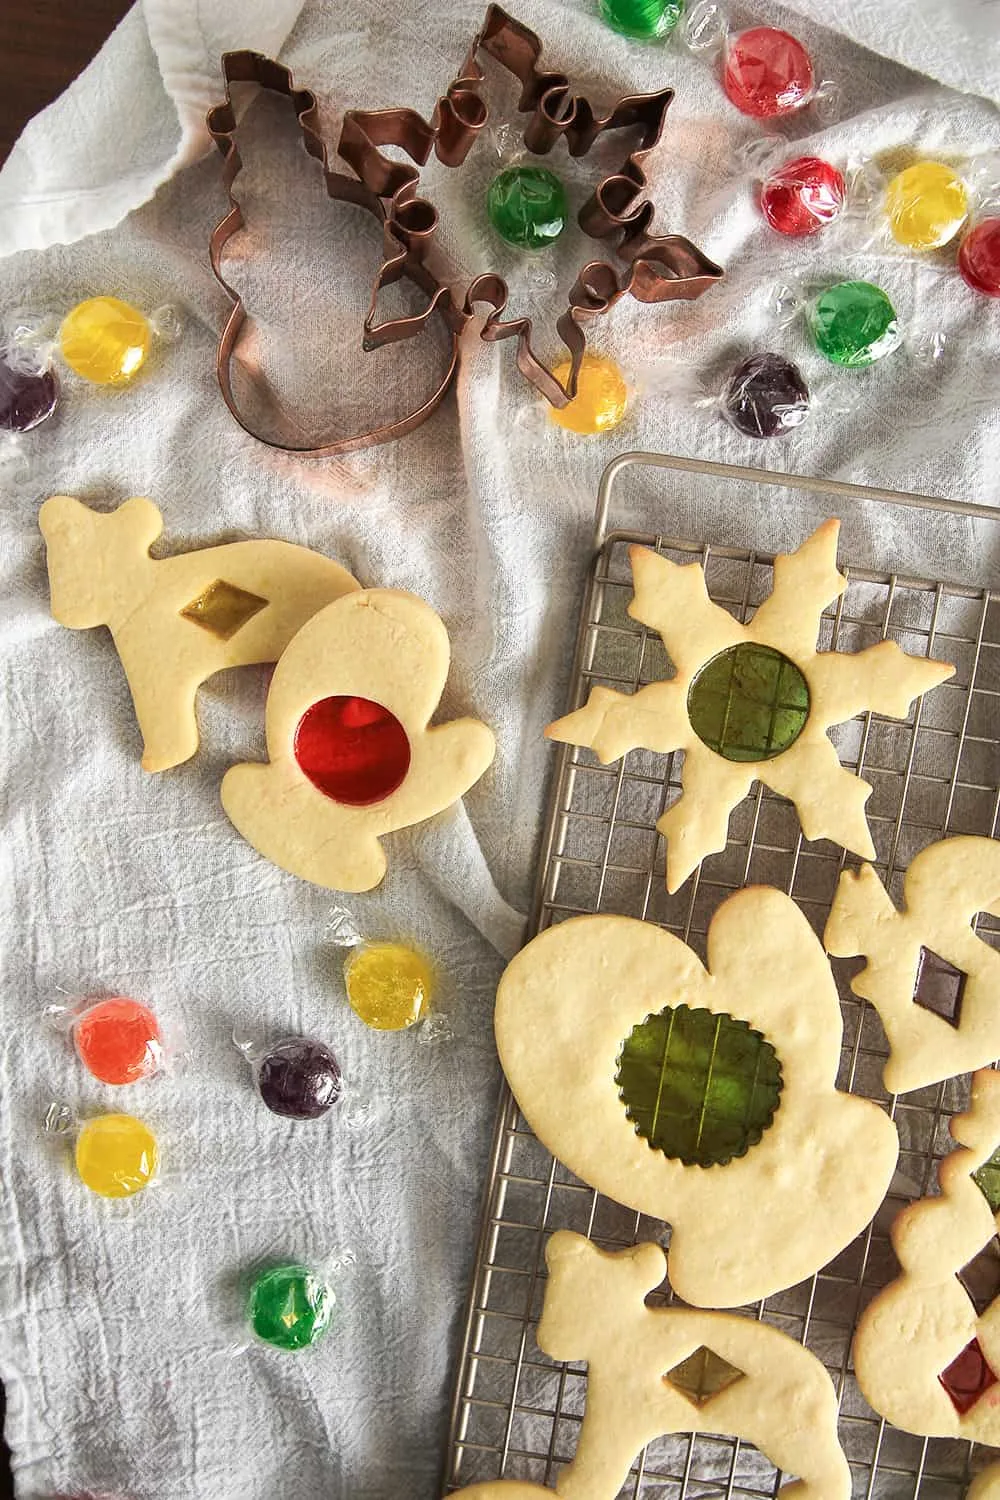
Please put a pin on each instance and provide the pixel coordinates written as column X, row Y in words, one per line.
column 750, row 702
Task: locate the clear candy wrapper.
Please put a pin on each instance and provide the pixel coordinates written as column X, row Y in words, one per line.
column 290, row 1305
column 767, row 73
column 29, row 395
column 297, row 1077
column 851, row 323
column 390, row 985
column 116, row 1155
column 925, row 203
column 118, row 1039
column 798, row 194
column 764, row 395
column 103, row 340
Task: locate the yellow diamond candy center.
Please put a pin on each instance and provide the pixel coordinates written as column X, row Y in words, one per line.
column 703, row 1376
column 223, row 608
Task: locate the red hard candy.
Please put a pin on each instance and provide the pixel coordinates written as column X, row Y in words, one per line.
column 979, row 258
column 802, row 196
column 767, row 72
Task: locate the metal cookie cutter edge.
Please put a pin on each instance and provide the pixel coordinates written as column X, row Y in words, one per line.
column 660, row 268
column 405, row 236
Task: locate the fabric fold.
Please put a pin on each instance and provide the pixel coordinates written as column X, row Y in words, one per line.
column 134, row 117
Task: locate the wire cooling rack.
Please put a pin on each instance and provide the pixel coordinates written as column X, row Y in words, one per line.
column 516, row 1413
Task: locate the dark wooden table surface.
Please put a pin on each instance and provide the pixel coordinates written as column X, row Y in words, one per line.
column 43, row 45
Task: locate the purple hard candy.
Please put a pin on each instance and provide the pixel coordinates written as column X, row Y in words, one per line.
column 765, row 396
column 299, row 1078
column 25, row 398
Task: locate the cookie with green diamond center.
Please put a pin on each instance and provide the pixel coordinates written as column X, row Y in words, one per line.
column 749, row 703
column 702, row 1088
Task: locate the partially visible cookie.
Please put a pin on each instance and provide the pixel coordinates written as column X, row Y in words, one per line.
column 934, row 983
column 926, row 1358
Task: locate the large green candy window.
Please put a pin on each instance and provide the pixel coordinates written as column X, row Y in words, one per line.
column 749, row 703
column 702, row 1088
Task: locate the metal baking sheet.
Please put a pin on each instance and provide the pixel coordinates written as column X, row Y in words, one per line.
column 517, row 1413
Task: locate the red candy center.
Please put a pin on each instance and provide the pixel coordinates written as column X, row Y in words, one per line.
column 119, row 1040
column 355, row 751
column 802, row 196
column 767, row 72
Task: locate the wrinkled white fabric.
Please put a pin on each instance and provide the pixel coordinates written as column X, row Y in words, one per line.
column 134, row 118
column 121, row 1327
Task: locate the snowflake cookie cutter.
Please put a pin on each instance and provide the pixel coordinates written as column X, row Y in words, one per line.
column 658, row 268
column 385, row 193
column 750, row 702
column 926, row 1355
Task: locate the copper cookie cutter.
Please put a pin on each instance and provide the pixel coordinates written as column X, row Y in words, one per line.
column 404, row 242
column 656, row 268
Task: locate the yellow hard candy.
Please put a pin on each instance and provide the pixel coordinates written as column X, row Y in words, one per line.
column 116, row 1155
column 105, row 340
column 600, row 400
column 389, row 985
column 926, row 205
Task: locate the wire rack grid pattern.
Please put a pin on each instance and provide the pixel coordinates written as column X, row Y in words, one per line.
column 517, row 1413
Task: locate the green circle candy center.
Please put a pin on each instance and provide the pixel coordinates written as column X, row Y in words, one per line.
column 527, row 207
column 749, row 703
column 702, row 1088
column 290, row 1307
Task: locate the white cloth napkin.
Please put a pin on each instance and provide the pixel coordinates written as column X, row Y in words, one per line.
column 119, row 1328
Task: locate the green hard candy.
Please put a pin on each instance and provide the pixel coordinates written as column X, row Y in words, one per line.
column 527, row 207
column 645, row 20
column 290, row 1307
column 854, row 324
column 701, row 1088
